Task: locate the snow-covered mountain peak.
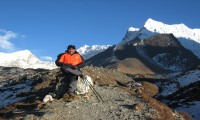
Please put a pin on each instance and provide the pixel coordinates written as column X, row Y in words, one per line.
column 133, row 29
column 23, row 54
column 24, row 51
column 150, row 23
column 24, row 59
column 178, row 30
column 83, row 49
column 189, row 38
column 90, row 51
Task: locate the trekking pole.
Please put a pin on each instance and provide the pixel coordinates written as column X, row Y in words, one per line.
column 94, row 91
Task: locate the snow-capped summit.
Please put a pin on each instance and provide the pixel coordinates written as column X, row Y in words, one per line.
column 189, row 38
column 24, row 59
column 178, row 30
column 133, row 29
column 82, row 50
column 130, row 34
column 90, row 51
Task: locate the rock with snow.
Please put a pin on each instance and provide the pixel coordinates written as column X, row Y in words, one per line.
column 9, row 91
column 48, row 98
column 24, row 59
column 180, row 92
column 90, row 51
column 178, row 81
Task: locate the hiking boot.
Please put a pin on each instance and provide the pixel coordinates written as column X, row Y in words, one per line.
column 55, row 96
column 68, row 97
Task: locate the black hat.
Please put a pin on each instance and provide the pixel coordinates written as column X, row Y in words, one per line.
column 71, row 46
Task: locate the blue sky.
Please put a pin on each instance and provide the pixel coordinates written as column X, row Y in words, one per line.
column 46, row 27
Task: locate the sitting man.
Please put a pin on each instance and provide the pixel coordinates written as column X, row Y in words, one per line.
column 70, row 63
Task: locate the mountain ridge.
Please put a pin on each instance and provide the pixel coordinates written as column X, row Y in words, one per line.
column 89, row 51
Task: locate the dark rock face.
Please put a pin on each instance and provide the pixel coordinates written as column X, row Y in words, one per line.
column 159, row 53
column 127, row 50
column 166, row 50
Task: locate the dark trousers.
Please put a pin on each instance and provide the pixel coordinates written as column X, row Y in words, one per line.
column 66, row 84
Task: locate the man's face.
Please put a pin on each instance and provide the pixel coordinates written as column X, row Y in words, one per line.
column 71, row 51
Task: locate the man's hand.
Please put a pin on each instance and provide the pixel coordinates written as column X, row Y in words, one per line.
column 64, row 66
column 74, row 67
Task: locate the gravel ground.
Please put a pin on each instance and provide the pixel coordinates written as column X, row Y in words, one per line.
column 117, row 105
column 111, row 84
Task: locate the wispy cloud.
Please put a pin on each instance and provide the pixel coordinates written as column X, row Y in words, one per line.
column 23, row 36
column 46, row 58
column 5, row 37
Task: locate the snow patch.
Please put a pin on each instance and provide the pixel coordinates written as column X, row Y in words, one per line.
column 192, row 108
column 189, row 77
column 8, row 92
column 130, row 35
column 175, row 84
column 163, row 61
column 133, row 29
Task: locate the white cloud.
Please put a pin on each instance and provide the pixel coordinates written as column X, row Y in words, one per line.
column 5, row 37
column 47, row 58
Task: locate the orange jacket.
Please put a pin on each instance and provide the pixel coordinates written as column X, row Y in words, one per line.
column 74, row 59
